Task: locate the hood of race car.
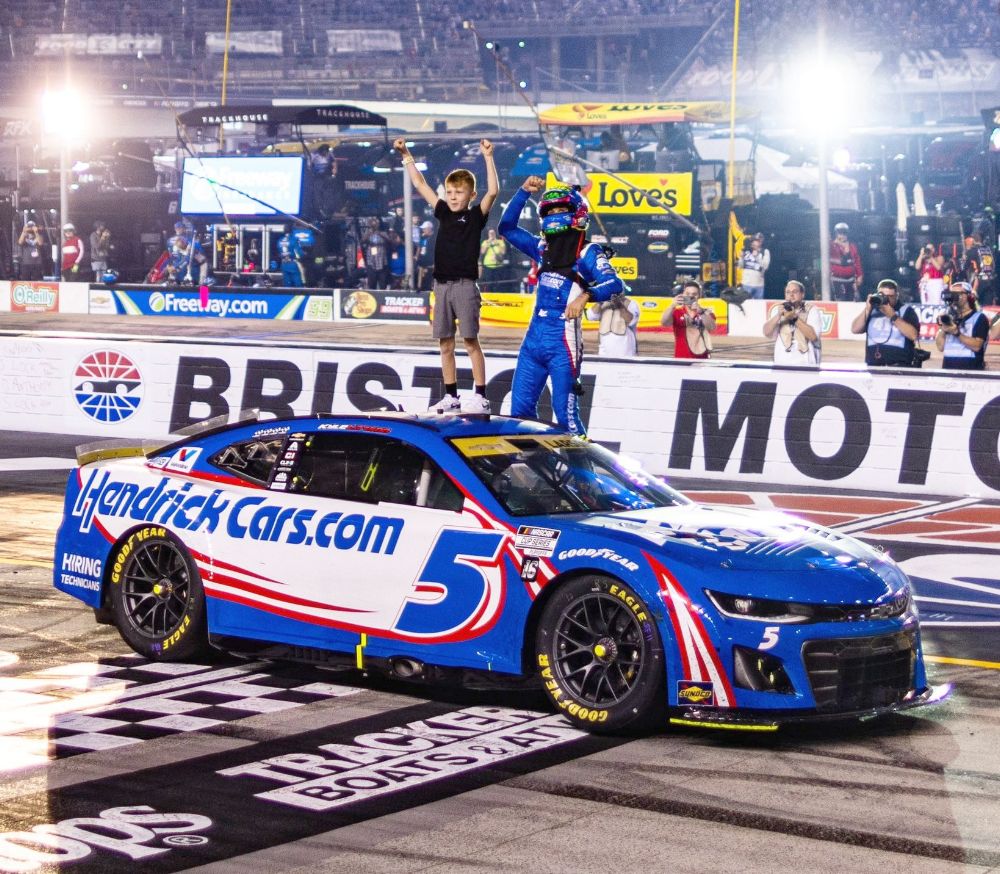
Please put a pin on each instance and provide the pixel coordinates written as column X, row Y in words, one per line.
column 767, row 554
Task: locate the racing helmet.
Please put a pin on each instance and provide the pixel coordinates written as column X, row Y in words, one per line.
column 576, row 218
column 109, row 277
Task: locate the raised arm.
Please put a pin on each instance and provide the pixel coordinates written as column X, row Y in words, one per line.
column 519, row 238
column 426, row 192
column 492, row 181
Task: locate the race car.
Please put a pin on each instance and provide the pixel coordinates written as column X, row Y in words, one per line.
column 487, row 547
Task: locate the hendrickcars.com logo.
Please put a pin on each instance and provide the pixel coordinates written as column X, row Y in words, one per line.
column 107, row 386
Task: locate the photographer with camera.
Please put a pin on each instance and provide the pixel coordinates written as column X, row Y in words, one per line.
column 892, row 332
column 931, row 267
column 692, row 325
column 618, row 329
column 963, row 330
column 795, row 328
column 754, row 263
column 31, row 252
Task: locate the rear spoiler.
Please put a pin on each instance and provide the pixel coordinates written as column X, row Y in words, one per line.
column 103, row 450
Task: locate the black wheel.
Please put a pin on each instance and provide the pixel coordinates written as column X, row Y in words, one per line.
column 156, row 597
column 600, row 656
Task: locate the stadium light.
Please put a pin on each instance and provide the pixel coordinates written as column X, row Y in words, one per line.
column 63, row 117
column 821, row 98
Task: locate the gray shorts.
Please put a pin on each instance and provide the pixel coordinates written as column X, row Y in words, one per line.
column 459, row 300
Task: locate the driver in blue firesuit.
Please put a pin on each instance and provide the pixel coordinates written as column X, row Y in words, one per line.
column 291, row 254
column 573, row 272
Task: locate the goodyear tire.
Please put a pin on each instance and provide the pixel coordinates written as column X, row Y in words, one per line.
column 156, row 596
column 600, row 656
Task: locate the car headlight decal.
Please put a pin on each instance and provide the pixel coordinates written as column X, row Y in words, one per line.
column 793, row 612
column 761, row 609
column 760, row 671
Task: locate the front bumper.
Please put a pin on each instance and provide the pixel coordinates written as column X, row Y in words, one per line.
column 771, row 720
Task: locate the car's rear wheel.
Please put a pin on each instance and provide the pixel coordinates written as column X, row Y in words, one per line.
column 156, row 597
column 600, row 655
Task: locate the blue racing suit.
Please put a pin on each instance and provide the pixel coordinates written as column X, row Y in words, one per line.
column 290, row 250
column 553, row 346
column 178, row 266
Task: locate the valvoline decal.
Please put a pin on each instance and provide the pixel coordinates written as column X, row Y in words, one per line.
column 189, row 508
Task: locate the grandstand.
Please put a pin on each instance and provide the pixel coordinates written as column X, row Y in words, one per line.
column 421, row 50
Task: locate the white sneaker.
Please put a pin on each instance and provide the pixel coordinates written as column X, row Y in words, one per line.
column 476, row 404
column 447, row 404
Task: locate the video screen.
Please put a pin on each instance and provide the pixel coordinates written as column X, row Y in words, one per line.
column 242, row 186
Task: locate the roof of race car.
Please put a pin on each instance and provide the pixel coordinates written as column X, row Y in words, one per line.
column 447, row 426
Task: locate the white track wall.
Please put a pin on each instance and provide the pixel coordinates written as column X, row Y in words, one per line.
column 911, row 432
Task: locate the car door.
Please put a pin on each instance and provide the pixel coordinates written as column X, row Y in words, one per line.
column 358, row 533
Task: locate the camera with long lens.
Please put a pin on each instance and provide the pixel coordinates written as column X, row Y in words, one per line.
column 877, row 300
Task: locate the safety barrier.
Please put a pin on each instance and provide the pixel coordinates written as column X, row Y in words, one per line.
column 912, row 432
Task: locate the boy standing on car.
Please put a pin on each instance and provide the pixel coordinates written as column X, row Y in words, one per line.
column 456, row 269
column 573, row 272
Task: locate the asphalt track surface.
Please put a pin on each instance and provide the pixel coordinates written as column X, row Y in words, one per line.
column 261, row 766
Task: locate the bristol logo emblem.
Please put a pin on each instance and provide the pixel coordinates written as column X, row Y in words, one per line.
column 108, row 386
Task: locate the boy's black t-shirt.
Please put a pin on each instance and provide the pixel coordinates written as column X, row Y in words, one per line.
column 456, row 252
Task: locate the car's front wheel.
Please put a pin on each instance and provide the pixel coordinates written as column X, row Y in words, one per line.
column 157, row 598
column 600, row 656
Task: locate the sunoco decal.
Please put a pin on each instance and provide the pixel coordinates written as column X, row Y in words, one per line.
column 700, row 694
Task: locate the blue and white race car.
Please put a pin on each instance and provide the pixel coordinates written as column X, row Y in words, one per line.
column 433, row 547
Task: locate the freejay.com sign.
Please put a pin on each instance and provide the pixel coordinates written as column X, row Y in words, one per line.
column 219, row 303
column 899, row 431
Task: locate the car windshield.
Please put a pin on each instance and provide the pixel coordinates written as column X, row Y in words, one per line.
column 553, row 474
